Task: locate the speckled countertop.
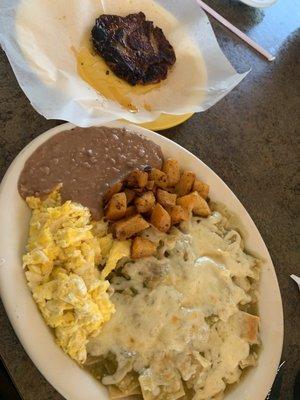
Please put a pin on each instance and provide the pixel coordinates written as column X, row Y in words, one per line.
column 250, row 139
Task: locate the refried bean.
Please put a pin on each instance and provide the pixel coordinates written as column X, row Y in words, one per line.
column 86, row 161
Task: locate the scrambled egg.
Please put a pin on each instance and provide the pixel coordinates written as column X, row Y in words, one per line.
column 63, row 251
column 119, row 249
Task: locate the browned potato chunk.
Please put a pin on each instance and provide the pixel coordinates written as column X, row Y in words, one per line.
column 127, row 227
column 131, row 210
column 145, row 202
column 178, row 214
column 188, row 201
column 115, row 188
column 201, row 207
column 116, row 206
column 201, row 187
column 185, row 184
column 160, row 178
column 150, row 185
column 160, row 218
column 142, row 247
column 165, row 198
column 130, row 195
column 171, row 169
column 137, row 178
column 247, row 326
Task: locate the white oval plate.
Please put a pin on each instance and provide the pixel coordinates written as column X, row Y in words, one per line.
column 259, row 3
column 68, row 378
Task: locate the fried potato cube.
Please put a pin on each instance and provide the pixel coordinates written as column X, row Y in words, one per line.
column 251, row 327
column 142, row 247
column 116, row 206
column 178, row 214
column 127, row 227
column 171, row 169
column 188, row 201
column 165, row 198
column 114, row 189
column 201, row 187
column 130, row 195
column 150, row 185
column 185, row 184
column 246, row 325
column 137, row 178
column 201, row 207
column 195, row 203
column 131, row 210
column 160, row 178
column 145, row 202
column 160, row 218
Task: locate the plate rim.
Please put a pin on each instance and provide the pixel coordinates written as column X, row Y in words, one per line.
column 32, row 145
column 259, row 3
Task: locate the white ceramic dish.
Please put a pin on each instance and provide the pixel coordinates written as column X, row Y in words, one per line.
column 259, row 3
column 68, row 378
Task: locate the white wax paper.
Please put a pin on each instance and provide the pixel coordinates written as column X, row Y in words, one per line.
column 40, row 36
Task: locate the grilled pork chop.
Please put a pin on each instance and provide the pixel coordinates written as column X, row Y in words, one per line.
column 133, row 48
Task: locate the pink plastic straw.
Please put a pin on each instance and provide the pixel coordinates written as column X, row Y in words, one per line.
column 236, row 31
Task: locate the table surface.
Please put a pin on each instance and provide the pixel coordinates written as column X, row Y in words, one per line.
column 249, row 139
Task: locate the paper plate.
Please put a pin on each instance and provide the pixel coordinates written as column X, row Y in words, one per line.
column 65, row 375
column 64, row 79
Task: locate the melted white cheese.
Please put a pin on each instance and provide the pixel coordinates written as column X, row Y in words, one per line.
column 168, row 312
